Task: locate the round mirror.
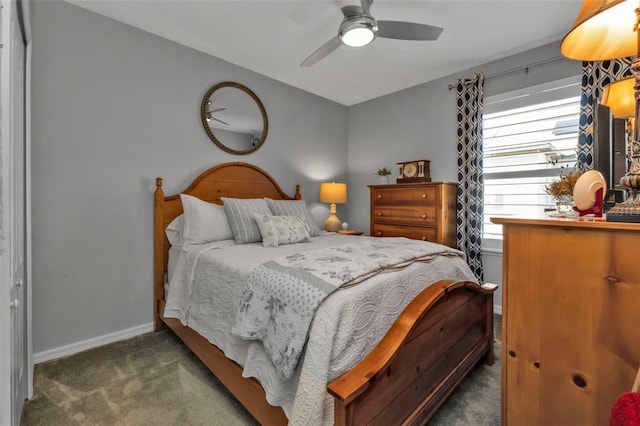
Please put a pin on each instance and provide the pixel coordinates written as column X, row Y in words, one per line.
column 234, row 118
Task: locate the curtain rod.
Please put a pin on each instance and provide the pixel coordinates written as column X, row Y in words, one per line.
column 524, row 68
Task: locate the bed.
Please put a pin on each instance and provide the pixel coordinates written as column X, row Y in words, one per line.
column 432, row 344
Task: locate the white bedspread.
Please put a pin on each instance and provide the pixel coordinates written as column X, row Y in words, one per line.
column 205, row 293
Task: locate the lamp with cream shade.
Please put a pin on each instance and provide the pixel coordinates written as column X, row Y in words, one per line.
column 333, row 193
column 603, row 30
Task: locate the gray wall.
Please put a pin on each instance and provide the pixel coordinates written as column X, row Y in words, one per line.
column 114, row 107
column 419, row 123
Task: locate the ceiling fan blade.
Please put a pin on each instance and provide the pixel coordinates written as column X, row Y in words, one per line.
column 407, row 30
column 215, row 119
column 323, row 51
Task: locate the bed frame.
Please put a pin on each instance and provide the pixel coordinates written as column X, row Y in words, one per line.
column 434, row 343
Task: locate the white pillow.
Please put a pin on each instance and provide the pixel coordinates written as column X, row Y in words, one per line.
column 204, row 222
column 281, row 230
column 175, row 230
column 294, row 208
column 240, row 213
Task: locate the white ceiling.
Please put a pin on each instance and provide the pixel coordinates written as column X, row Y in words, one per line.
column 274, row 37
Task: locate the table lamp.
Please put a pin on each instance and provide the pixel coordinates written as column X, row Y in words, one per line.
column 333, row 193
column 603, row 30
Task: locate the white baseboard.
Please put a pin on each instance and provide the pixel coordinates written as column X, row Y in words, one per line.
column 91, row 343
column 497, row 309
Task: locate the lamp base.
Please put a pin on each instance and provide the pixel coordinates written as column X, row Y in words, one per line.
column 627, row 211
column 332, row 224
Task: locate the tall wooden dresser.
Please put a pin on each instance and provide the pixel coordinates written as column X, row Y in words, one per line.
column 420, row 211
column 571, row 319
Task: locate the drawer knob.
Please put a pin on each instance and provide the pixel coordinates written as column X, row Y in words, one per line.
column 424, row 195
column 380, row 214
column 379, row 233
column 424, row 216
column 612, row 279
column 424, row 238
column 379, row 196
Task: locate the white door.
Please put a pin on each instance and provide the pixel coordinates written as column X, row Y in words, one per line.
column 12, row 199
column 17, row 233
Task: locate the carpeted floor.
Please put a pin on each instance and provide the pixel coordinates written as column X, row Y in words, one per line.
column 153, row 379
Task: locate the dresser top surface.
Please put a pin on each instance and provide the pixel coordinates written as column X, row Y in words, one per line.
column 407, row 184
column 583, row 222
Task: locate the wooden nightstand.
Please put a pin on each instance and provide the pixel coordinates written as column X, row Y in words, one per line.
column 349, row 232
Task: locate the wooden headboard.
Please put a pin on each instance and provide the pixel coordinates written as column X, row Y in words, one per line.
column 233, row 180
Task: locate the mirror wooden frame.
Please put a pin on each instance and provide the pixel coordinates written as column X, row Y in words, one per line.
column 204, row 110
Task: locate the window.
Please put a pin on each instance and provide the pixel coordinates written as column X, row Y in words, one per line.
column 525, row 132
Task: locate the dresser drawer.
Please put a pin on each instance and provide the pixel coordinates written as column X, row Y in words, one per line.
column 413, row 232
column 426, row 194
column 410, row 215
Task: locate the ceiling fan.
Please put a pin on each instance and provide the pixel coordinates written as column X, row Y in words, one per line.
column 359, row 28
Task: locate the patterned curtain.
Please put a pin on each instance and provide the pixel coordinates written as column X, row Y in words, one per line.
column 595, row 76
column 470, row 184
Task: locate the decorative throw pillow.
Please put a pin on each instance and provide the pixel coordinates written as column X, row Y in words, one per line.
column 294, row 208
column 281, row 230
column 240, row 213
column 203, row 222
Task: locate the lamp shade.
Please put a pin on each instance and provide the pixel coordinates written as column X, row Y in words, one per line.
column 333, row 193
column 619, row 97
column 604, row 29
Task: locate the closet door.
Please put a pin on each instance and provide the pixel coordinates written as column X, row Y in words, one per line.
column 13, row 359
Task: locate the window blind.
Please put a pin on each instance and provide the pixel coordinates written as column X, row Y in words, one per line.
column 527, row 140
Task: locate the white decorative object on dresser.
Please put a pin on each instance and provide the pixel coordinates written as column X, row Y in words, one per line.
column 420, row 211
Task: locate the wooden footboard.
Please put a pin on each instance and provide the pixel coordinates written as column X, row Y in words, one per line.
column 430, row 348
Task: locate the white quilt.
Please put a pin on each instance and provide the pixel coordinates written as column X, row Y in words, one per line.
column 205, row 294
column 282, row 295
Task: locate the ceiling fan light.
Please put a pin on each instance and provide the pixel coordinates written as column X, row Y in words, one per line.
column 358, row 31
column 357, row 37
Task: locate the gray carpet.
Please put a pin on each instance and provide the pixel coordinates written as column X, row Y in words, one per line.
column 153, row 379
